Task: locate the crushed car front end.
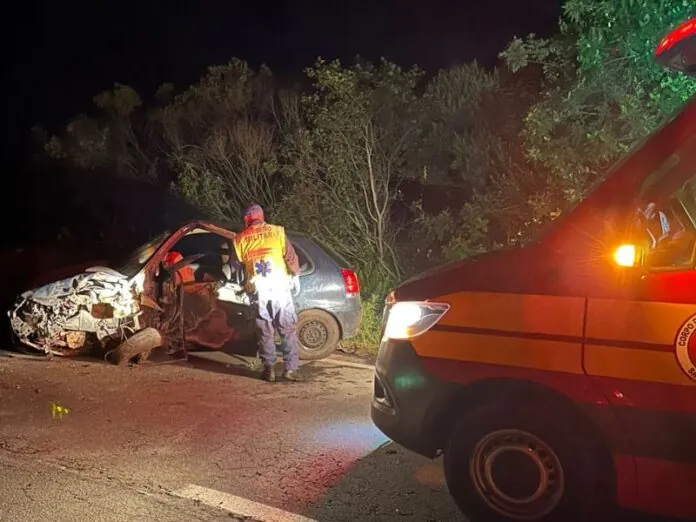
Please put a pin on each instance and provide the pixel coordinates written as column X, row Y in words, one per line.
column 68, row 316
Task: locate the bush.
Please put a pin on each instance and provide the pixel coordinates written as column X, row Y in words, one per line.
column 367, row 340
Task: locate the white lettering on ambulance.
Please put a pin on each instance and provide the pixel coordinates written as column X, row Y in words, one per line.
column 687, row 363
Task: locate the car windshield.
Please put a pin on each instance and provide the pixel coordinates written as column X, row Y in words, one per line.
column 545, row 229
column 131, row 264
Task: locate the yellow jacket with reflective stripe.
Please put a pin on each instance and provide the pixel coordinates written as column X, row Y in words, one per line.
column 261, row 250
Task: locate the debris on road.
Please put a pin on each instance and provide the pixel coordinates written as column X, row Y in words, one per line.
column 58, row 411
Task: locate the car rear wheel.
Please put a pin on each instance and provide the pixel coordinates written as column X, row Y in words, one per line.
column 514, row 462
column 319, row 334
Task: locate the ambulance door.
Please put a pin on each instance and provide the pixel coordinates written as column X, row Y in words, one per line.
column 640, row 342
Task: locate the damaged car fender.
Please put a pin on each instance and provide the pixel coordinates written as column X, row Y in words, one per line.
column 58, row 318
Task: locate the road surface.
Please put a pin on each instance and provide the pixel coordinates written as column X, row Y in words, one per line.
column 202, row 441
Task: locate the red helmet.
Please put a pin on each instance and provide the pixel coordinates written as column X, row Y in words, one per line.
column 172, row 258
column 253, row 213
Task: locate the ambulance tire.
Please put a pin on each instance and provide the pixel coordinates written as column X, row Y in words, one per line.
column 319, row 334
column 570, row 466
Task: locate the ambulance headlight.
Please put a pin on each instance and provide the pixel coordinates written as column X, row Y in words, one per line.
column 409, row 319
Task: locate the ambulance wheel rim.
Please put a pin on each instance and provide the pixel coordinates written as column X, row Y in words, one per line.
column 517, row 474
column 313, row 335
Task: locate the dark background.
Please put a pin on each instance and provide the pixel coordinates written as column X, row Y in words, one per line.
column 63, row 53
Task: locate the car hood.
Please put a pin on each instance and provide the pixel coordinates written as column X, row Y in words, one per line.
column 95, row 285
column 510, row 271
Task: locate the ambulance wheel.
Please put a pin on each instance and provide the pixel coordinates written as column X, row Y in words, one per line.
column 319, row 334
column 512, row 462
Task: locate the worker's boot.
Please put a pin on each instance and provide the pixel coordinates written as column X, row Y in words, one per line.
column 293, row 375
column 268, row 374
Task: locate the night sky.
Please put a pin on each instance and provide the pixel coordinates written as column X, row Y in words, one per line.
column 62, row 53
column 66, row 52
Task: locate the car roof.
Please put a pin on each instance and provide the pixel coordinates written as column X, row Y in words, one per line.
column 229, row 231
column 227, row 226
column 236, row 229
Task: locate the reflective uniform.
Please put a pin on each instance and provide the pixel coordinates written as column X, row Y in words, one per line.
column 269, row 261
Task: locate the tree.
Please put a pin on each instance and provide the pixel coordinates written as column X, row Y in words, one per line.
column 348, row 158
column 116, row 137
column 471, row 124
column 604, row 92
column 222, row 138
column 464, row 110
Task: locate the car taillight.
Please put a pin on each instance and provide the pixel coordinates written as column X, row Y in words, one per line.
column 350, row 281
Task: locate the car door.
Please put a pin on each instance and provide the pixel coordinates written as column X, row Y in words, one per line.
column 240, row 317
column 640, row 340
column 230, row 326
column 213, row 315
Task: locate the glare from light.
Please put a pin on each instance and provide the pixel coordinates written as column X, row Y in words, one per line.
column 625, row 255
column 408, row 319
column 408, row 382
column 402, row 317
column 138, row 282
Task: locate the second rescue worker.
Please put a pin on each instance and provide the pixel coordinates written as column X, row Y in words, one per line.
column 271, row 270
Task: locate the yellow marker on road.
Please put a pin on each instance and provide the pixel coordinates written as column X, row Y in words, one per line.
column 58, row 411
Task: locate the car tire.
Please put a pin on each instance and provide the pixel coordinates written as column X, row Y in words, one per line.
column 319, row 334
column 137, row 347
column 564, row 479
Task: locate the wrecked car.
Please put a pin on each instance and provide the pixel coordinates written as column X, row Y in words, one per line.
column 176, row 291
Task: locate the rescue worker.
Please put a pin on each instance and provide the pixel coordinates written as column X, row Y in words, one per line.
column 658, row 225
column 271, row 270
column 229, row 265
column 184, row 274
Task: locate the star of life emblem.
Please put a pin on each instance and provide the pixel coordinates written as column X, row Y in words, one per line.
column 263, row 268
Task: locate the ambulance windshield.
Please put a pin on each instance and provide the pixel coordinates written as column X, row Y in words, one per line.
column 665, row 222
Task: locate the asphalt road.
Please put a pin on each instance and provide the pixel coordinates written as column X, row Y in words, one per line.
column 202, row 441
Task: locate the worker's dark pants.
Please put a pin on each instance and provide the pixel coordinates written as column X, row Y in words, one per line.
column 276, row 310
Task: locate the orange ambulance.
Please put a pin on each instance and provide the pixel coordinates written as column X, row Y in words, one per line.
column 558, row 379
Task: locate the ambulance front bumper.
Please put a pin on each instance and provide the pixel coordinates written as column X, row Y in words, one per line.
column 406, row 399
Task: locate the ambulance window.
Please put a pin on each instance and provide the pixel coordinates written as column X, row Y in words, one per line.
column 666, row 224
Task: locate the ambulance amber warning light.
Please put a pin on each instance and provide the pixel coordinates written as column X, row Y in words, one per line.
column 625, row 255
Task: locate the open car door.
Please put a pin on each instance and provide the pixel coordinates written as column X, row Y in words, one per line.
column 213, row 312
